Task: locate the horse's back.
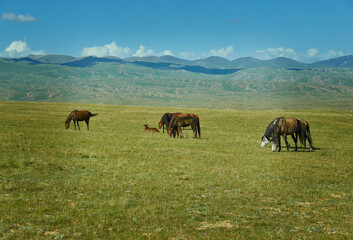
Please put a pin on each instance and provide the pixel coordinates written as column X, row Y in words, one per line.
column 292, row 125
column 81, row 115
column 185, row 120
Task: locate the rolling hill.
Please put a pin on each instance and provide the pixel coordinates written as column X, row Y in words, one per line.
column 245, row 83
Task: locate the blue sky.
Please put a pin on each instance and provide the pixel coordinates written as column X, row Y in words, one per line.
column 304, row 30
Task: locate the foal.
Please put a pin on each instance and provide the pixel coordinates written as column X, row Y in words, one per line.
column 147, row 129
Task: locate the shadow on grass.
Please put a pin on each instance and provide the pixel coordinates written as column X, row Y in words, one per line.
column 302, row 149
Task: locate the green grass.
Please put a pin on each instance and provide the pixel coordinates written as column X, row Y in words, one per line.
column 118, row 182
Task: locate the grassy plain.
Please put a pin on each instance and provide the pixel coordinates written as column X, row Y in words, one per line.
column 118, row 182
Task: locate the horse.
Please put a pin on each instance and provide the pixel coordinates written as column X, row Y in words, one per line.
column 77, row 116
column 282, row 127
column 182, row 122
column 177, row 115
column 147, row 129
column 306, row 133
column 165, row 120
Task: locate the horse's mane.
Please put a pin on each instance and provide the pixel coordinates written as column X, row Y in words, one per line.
column 272, row 128
column 70, row 116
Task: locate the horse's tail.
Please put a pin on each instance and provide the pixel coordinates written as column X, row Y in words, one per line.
column 300, row 131
column 198, row 127
column 92, row 114
column 309, row 134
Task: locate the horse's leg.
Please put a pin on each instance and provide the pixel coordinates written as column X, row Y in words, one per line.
column 78, row 125
column 279, row 143
column 75, row 124
column 181, row 132
column 195, row 130
column 295, row 139
column 285, row 140
column 304, row 140
column 87, row 122
column 310, row 143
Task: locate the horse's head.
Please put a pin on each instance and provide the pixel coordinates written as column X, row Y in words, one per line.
column 160, row 124
column 67, row 125
column 264, row 141
column 169, row 130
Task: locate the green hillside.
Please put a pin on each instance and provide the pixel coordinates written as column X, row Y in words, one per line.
column 162, row 84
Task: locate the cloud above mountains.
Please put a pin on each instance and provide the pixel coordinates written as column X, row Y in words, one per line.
column 20, row 48
column 107, row 50
column 113, row 49
column 18, row 18
column 312, row 54
column 276, row 52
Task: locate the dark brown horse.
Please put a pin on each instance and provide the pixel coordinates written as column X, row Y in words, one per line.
column 148, row 129
column 178, row 115
column 306, row 133
column 282, row 127
column 165, row 120
column 77, row 116
column 182, row 122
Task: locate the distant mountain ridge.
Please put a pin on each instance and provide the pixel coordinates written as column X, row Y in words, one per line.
column 169, row 81
column 210, row 65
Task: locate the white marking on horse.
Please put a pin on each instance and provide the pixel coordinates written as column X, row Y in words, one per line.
column 264, row 141
column 274, row 147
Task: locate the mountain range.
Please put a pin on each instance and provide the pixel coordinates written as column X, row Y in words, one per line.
column 214, row 82
column 210, row 65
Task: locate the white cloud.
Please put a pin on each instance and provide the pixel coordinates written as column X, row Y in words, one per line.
column 143, row 52
column 18, row 18
column 187, row 55
column 312, row 52
column 17, row 47
column 276, row 52
column 334, row 54
column 20, row 49
column 166, row 52
column 107, row 50
column 227, row 52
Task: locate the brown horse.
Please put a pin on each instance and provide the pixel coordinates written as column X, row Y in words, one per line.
column 306, row 133
column 147, row 129
column 77, row 116
column 178, row 115
column 282, row 127
column 182, row 122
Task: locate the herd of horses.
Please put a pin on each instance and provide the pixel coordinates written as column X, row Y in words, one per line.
column 174, row 122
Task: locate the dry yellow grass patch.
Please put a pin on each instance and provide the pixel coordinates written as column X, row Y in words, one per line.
column 220, row 224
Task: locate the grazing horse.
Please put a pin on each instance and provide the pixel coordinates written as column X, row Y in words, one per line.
column 165, row 120
column 147, row 129
column 282, row 127
column 77, row 116
column 178, row 115
column 182, row 122
column 306, row 133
